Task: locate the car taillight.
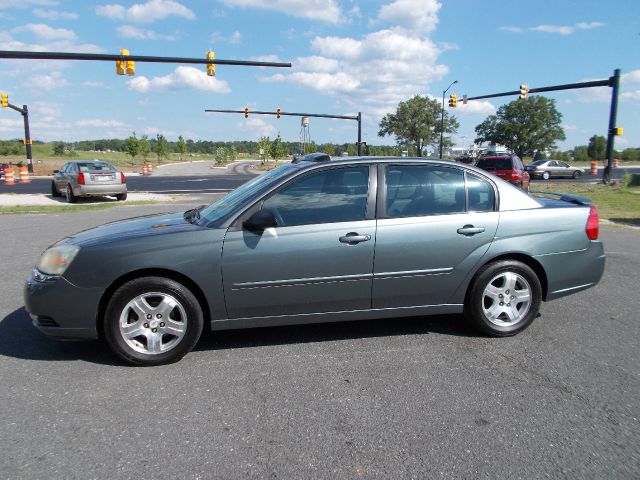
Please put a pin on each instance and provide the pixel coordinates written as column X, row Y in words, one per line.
column 122, row 177
column 81, row 178
column 515, row 175
column 592, row 228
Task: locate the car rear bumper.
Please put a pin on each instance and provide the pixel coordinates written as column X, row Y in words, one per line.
column 570, row 272
column 62, row 310
column 98, row 190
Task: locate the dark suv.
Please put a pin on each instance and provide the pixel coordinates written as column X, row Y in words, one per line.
column 509, row 167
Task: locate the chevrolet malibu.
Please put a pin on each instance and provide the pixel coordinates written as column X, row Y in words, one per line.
column 320, row 240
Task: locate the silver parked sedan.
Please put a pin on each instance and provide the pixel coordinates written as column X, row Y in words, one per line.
column 87, row 178
column 547, row 169
column 320, row 240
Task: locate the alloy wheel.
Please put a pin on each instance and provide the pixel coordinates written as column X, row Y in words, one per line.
column 506, row 299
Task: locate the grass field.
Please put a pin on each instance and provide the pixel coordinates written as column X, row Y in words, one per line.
column 64, row 208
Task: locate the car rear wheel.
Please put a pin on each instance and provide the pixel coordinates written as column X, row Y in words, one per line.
column 152, row 321
column 71, row 198
column 545, row 175
column 504, row 298
column 121, row 197
column 577, row 174
column 54, row 190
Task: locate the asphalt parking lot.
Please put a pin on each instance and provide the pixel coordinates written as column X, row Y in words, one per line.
column 403, row 398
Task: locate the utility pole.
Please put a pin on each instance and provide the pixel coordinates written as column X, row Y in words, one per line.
column 444, row 92
column 614, row 83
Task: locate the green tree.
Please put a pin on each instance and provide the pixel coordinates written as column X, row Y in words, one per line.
column 132, row 145
column 630, row 154
column 523, row 126
column 597, row 147
column 277, row 149
column 264, row 144
column 145, row 147
column 162, row 149
column 580, row 154
column 417, row 122
column 233, row 153
column 221, row 155
column 58, row 149
column 181, row 146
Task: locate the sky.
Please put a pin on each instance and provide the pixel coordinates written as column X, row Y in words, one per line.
column 348, row 56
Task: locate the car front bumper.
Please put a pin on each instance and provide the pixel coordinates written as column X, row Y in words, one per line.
column 99, row 190
column 60, row 309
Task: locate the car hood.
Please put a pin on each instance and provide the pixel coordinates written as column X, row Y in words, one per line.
column 148, row 225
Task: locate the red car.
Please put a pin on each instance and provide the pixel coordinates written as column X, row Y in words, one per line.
column 508, row 167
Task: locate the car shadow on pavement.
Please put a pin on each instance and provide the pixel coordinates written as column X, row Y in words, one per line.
column 321, row 332
column 20, row 339
column 83, row 200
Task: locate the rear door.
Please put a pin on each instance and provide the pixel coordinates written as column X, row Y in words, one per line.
column 318, row 259
column 433, row 227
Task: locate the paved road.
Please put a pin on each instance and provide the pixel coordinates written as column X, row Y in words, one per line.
column 403, row 398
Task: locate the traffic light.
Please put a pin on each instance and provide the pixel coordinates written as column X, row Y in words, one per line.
column 465, row 99
column 4, row 98
column 211, row 67
column 524, row 90
column 120, row 63
column 453, row 100
column 130, row 65
column 24, row 142
column 278, row 112
column 246, row 112
column 615, row 131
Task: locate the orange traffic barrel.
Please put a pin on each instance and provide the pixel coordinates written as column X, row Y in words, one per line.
column 150, row 168
column 24, row 174
column 594, row 168
column 616, row 163
column 145, row 170
column 8, row 176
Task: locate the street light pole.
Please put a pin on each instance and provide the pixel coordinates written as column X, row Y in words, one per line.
column 442, row 115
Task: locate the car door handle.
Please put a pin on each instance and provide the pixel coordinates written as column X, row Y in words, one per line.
column 353, row 238
column 469, row 230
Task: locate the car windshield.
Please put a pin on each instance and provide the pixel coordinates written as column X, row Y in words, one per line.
column 96, row 167
column 242, row 195
column 495, row 163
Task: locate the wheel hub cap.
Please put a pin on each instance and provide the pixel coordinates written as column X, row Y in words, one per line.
column 506, row 299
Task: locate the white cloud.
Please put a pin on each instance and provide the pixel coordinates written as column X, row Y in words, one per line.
column 570, row 128
column 475, row 107
column 46, row 82
column 26, row 3
column 98, row 123
column 50, row 14
column 324, row 10
column 92, row 84
column 629, row 90
column 129, row 31
column 147, row 12
column 256, row 127
column 234, row 38
column 559, row 29
column 418, row 15
column 509, row 28
column 181, row 78
column 8, row 42
column 45, row 32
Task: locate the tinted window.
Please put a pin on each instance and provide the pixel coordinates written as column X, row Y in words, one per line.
column 538, row 162
column 335, row 195
column 95, row 167
column 495, row 163
column 417, row 190
column 562, row 164
column 481, row 196
column 553, row 164
column 517, row 163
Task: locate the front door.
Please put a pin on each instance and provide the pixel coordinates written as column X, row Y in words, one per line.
column 318, row 259
column 443, row 229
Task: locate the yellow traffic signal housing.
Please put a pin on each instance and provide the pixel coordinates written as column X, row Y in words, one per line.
column 211, row 67
column 453, row 100
column 524, row 90
column 120, row 70
column 24, row 142
column 278, row 112
column 246, row 112
column 4, row 99
column 616, row 131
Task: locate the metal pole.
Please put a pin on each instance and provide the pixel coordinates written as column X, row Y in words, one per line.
column 614, row 82
column 441, row 123
column 359, row 134
column 27, row 137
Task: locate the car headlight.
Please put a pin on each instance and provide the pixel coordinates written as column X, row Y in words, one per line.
column 55, row 260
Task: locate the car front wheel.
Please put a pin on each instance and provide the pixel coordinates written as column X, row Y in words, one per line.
column 504, row 298
column 152, row 321
column 577, row 174
column 545, row 176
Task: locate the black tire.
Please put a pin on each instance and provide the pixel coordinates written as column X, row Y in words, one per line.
column 577, row 174
column 546, row 175
column 54, row 190
column 130, row 350
column 71, row 198
column 477, row 301
column 121, row 197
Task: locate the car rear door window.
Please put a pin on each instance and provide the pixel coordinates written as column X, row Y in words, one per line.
column 480, row 194
column 328, row 196
column 419, row 190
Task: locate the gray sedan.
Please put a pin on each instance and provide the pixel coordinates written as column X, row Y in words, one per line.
column 88, row 178
column 547, row 169
column 320, row 240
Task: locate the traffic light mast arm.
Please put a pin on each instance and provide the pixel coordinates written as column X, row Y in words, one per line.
column 567, row 86
column 290, row 114
column 17, row 109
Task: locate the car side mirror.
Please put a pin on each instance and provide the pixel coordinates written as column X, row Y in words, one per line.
column 260, row 221
column 56, row 171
